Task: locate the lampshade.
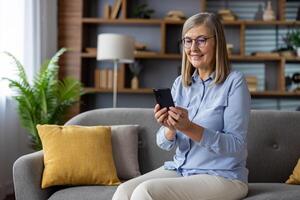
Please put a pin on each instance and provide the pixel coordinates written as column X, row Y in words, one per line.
column 115, row 47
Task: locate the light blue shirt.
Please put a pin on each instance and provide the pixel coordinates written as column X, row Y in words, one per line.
column 223, row 110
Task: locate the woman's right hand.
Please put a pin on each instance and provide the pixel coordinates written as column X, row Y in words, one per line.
column 161, row 116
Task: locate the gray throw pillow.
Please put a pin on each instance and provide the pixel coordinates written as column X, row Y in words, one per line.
column 125, row 150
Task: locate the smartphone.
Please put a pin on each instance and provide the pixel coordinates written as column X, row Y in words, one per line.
column 163, row 97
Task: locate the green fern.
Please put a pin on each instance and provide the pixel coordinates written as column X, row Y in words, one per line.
column 47, row 99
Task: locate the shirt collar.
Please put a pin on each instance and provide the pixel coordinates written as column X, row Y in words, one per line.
column 195, row 76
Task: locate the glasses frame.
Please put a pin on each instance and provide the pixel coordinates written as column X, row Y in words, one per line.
column 199, row 46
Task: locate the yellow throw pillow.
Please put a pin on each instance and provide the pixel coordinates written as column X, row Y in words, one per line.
column 77, row 155
column 295, row 177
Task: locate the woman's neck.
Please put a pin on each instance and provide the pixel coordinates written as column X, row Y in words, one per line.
column 204, row 73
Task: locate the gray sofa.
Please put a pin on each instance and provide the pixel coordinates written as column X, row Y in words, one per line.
column 273, row 147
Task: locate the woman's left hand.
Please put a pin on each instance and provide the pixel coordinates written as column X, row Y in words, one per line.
column 179, row 118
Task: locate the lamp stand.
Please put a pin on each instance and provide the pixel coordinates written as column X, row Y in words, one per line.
column 115, row 83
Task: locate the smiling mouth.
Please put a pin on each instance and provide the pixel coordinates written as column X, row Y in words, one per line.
column 197, row 56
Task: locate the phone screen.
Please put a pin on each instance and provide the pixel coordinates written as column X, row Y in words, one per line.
column 164, row 97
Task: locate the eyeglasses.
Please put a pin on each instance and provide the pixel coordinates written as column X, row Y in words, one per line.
column 200, row 41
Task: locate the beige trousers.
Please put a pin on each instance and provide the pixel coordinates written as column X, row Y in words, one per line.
column 161, row 184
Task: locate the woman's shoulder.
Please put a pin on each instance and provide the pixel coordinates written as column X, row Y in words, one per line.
column 235, row 77
column 178, row 81
column 235, row 74
column 234, row 80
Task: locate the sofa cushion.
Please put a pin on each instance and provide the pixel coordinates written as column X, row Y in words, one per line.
column 76, row 155
column 85, row 192
column 295, row 177
column 125, row 150
column 273, row 191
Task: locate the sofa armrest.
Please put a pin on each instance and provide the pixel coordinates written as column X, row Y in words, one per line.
column 27, row 176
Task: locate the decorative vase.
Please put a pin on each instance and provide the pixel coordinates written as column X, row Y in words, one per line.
column 268, row 13
column 134, row 82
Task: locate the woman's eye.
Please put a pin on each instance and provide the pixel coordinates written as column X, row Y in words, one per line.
column 201, row 41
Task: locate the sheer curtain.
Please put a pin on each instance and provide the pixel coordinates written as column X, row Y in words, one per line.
column 28, row 31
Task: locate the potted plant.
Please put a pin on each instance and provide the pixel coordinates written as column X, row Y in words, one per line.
column 135, row 69
column 293, row 39
column 47, row 99
column 142, row 11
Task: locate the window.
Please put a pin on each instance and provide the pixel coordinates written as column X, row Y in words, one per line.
column 11, row 38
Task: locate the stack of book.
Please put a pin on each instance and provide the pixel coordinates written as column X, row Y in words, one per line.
column 104, row 78
column 252, row 83
column 226, row 15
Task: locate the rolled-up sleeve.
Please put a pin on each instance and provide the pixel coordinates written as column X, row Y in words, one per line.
column 162, row 141
column 236, row 118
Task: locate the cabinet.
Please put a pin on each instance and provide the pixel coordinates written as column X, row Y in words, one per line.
column 81, row 20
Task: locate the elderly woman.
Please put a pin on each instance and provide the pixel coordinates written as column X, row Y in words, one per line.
column 208, row 125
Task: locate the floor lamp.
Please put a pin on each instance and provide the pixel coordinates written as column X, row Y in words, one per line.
column 118, row 49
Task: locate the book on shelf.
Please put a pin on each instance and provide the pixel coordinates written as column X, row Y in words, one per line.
column 103, row 78
column 107, row 11
column 252, row 88
column 121, row 77
column 97, row 78
column 91, row 50
column 252, row 83
column 145, row 53
column 110, row 78
column 116, row 9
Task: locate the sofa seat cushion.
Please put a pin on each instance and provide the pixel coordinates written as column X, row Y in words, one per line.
column 85, row 192
column 274, row 191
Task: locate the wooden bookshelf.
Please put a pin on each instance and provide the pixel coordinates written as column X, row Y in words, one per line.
column 256, row 94
column 123, row 90
column 121, row 21
column 91, row 20
column 231, row 57
column 79, row 22
column 275, row 94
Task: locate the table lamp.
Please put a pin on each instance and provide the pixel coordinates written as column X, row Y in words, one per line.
column 117, row 48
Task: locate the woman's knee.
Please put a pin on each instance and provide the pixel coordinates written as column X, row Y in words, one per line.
column 145, row 191
column 123, row 192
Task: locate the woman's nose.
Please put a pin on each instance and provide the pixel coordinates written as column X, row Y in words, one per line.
column 194, row 46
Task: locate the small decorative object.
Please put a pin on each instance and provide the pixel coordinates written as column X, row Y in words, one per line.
column 46, row 100
column 227, row 15
column 288, row 83
column 142, row 11
column 259, row 13
column 139, row 46
column 134, row 83
column 229, row 47
column 135, row 69
column 296, row 80
column 268, row 13
column 175, row 15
